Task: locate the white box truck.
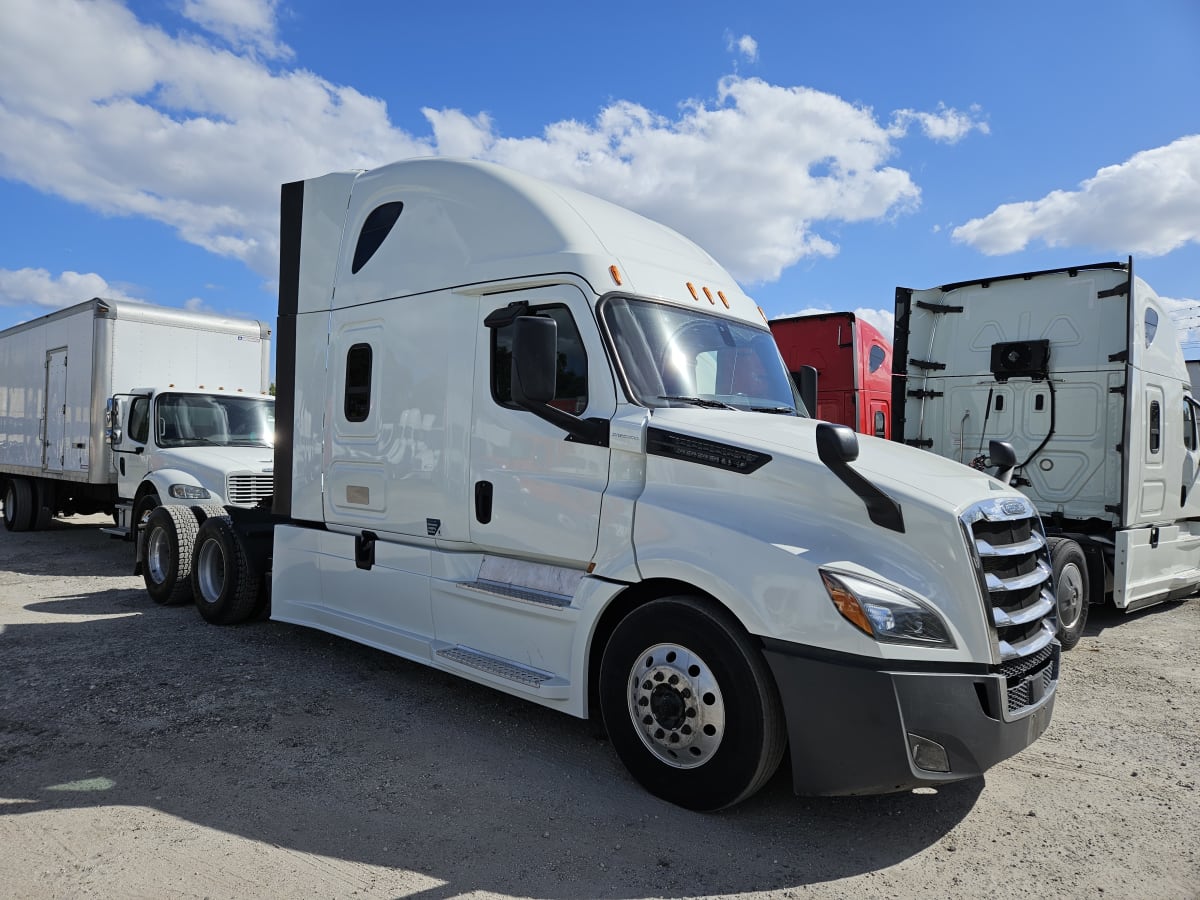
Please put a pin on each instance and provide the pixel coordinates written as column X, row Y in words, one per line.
column 117, row 407
column 543, row 443
column 1081, row 371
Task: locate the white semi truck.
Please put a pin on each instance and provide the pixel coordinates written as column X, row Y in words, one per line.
column 538, row 441
column 1081, row 371
column 118, row 407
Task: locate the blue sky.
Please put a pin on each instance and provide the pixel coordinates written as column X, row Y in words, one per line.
column 824, row 153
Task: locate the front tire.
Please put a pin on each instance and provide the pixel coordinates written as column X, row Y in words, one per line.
column 224, row 580
column 1071, row 590
column 689, row 704
column 170, row 538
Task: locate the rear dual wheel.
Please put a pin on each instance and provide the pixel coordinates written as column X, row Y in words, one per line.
column 19, row 512
column 225, row 580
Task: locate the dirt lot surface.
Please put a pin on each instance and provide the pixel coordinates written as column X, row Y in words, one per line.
column 144, row 753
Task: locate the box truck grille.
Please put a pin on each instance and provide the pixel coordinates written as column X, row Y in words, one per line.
column 248, row 489
column 1013, row 564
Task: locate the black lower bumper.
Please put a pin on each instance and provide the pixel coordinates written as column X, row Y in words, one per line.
column 850, row 720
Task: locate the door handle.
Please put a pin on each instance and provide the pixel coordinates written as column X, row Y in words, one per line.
column 483, row 502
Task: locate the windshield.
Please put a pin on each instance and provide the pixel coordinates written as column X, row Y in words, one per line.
column 193, row 420
column 674, row 356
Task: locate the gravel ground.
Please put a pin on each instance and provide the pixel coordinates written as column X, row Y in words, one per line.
column 144, row 753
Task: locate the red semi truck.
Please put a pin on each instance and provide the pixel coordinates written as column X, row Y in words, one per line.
column 854, row 366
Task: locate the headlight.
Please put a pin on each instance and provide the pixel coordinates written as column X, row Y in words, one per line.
column 188, row 492
column 885, row 613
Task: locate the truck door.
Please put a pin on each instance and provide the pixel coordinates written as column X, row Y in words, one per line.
column 536, row 495
column 55, row 436
column 130, row 459
column 1189, row 495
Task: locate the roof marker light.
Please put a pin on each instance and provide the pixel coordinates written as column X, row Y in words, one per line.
column 708, row 294
column 691, row 287
column 764, row 315
column 721, row 294
column 616, row 275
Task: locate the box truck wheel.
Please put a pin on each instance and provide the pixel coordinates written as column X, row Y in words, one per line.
column 170, row 536
column 1070, row 589
column 18, row 505
column 689, row 704
column 224, row 580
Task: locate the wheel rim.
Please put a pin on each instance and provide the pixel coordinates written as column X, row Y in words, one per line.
column 1070, row 597
column 676, row 705
column 158, row 555
column 210, row 571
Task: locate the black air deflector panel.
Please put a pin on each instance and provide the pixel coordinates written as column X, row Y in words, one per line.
column 704, row 452
column 1016, row 359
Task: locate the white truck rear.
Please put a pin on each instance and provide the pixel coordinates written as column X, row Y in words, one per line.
column 1081, row 370
column 540, row 442
column 116, row 407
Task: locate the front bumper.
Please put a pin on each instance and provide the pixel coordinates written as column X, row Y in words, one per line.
column 851, row 720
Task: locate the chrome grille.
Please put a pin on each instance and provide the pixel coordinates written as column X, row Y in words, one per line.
column 1015, row 573
column 247, row 489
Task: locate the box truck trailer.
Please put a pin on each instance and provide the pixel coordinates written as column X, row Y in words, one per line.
column 540, row 442
column 854, row 366
column 1081, row 371
column 115, row 407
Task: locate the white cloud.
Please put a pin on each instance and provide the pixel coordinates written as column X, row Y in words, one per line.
column 115, row 114
column 745, row 45
column 1146, row 205
column 944, row 124
column 37, row 287
column 245, row 24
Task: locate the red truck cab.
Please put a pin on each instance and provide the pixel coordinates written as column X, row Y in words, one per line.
column 854, row 367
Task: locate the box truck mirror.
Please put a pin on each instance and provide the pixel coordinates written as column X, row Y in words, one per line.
column 112, row 413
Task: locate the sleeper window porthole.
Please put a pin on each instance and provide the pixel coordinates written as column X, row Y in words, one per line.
column 379, row 223
column 357, row 402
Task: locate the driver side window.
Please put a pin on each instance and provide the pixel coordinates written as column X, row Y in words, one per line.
column 139, row 420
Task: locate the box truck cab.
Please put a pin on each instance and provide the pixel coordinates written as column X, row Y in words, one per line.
column 540, row 442
column 1081, row 370
column 854, row 367
column 179, row 446
column 114, row 406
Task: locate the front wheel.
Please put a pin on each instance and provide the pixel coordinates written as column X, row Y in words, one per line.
column 689, row 704
column 169, row 536
column 1070, row 589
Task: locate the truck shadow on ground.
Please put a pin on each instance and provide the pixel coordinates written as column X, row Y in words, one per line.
column 74, row 546
column 1103, row 617
column 300, row 740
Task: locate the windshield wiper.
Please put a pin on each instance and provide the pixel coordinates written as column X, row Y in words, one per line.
column 698, row 401
column 775, row 410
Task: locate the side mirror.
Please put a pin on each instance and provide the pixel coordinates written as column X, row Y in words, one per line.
column 837, row 447
column 534, row 360
column 806, row 382
column 534, row 373
column 1004, row 458
column 112, row 418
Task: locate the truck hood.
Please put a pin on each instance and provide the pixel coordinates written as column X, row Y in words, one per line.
column 903, row 472
column 224, row 459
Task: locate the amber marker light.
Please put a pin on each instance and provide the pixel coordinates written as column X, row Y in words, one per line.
column 691, row 287
column 847, row 604
column 616, row 275
column 721, row 294
column 764, row 315
column 708, row 294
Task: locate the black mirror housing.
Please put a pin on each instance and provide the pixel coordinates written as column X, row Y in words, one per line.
column 534, row 360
